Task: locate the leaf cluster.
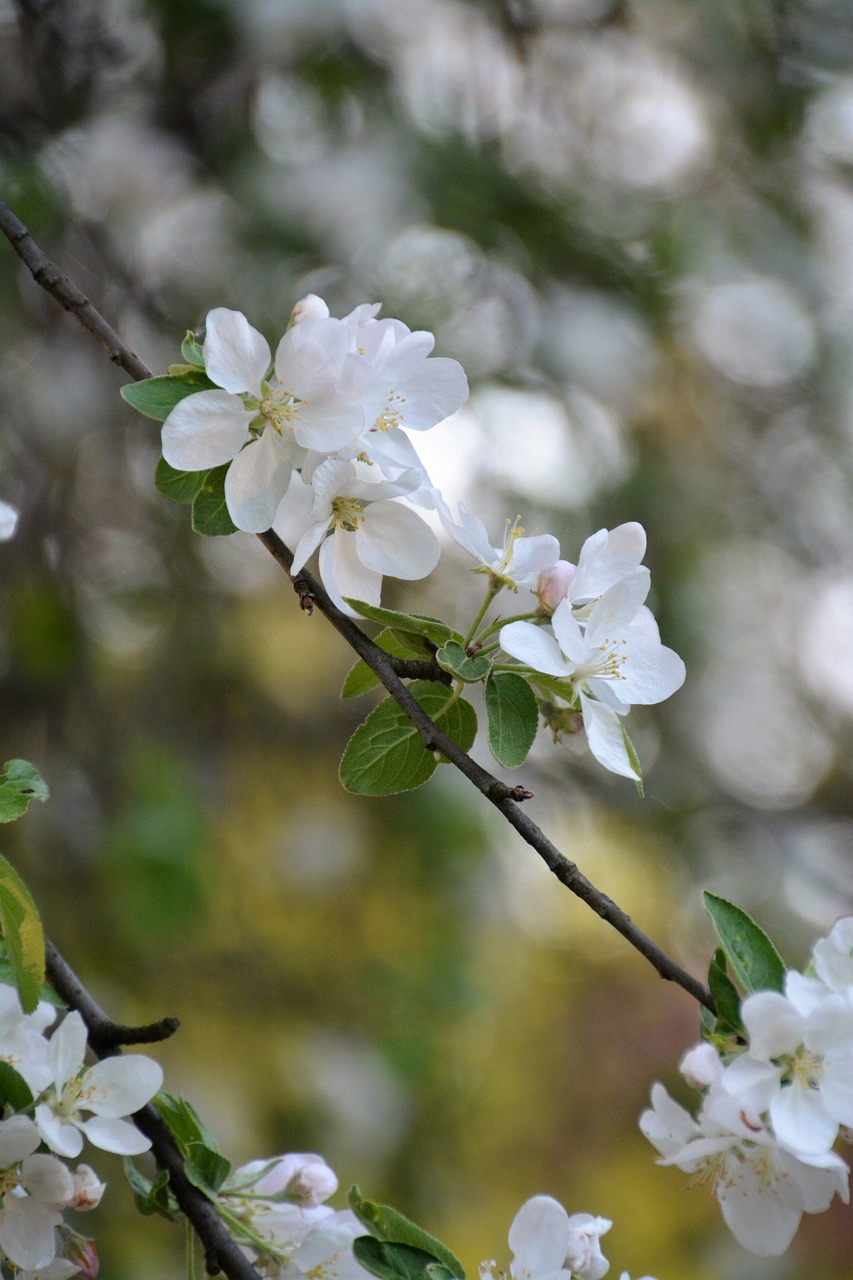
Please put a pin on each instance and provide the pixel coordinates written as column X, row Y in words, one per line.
column 398, row 1249
column 747, row 961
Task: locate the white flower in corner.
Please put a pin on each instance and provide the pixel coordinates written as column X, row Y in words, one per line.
column 371, row 535
column 8, row 521
column 265, row 424
column 110, row 1090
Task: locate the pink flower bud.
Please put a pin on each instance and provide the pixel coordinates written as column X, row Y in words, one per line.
column 304, row 1178
column 553, row 584
column 85, row 1254
column 309, row 308
column 88, row 1189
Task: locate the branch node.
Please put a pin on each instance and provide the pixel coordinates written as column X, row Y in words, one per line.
column 306, row 595
column 114, row 1034
column 211, row 1263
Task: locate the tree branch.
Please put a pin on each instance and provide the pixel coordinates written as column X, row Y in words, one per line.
column 221, row 1253
column 311, row 594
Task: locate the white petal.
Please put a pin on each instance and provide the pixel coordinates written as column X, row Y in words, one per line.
column 395, row 541
column 344, row 574
column 801, row 1120
column 205, row 430
column 67, row 1049
column 606, row 740
column 115, row 1135
column 236, row 356
column 18, row 1138
column 63, row 1138
column 120, row 1086
column 764, row 1219
column 469, row 532
column 530, row 556
column 618, row 606
column 257, row 480
column 536, row 647
column 294, row 511
column 310, row 357
column 26, row 1232
column 651, row 673
column 569, row 635
column 539, row 1235
column 47, row 1179
column 434, row 393
column 8, row 521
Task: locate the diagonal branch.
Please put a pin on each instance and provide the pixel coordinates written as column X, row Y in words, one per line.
column 387, row 668
column 222, row 1254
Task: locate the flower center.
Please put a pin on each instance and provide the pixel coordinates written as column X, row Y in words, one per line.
column 392, row 414
column 277, row 407
column 348, row 513
column 803, row 1067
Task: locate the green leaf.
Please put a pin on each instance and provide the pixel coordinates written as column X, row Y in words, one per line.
column 21, row 925
column 417, row 624
column 205, row 1168
column 756, row 963
column 210, row 513
column 392, row 1261
column 151, row 1197
column 191, row 350
column 157, row 397
column 178, row 486
column 453, row 657
column 14, row 1090
column 389, row 1225
column 513, row 711
column 724, row 992
column 20, row 784
column 361, row 678
column 185, row 1124
column 386, row 754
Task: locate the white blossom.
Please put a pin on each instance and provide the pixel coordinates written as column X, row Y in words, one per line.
column 615, row 662
column 111, row 1089
column 517, row 563
column 34, row 1189
column 8, row 521
column 370, row 534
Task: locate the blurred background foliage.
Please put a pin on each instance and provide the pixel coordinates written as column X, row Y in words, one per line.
column 632, row 221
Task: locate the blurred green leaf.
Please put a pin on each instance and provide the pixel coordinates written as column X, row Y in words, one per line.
column 191, row 350
column 725, row 993
column 20, row 784
column 360, row 678
column 21, row 925
column 14, row 1090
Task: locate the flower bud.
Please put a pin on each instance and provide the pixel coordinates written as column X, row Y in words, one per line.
column 553, row 584
column 309, row 308
column 88, row 1189
column 701, row 1066
column 301, row 1178
column 84, row 1254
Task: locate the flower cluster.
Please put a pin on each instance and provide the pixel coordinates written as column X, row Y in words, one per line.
column 549, row 1244
column 771, row 1110
column 53, row 1103
column 275, row 1210
column 315, row 439
column 601, row 652
column 318, row 444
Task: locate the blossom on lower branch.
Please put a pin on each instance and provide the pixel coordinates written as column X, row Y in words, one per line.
column 549, row 1244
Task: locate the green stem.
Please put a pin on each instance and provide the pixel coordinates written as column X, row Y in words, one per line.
column 537, row 619
column 493, row 589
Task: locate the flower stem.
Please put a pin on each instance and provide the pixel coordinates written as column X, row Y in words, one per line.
column 493, row 589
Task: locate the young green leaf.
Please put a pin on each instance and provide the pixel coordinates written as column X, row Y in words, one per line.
column 157, row 397
column 388, row 1224
column 21, row 926
column 210, row 513
column 724, row 992
column 513, row 711
column 361, row 678
column 386, row 753
column 192, row 351
column 756, row 963
column 634, row 761
column 20, row 784
column 185, row 1124
column 205, row 1168
column 178, row 486
column 453, row 657
column 391, row 1261
column 433, row 628
column 151, row 1197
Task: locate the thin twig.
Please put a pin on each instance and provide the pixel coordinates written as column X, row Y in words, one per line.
column 312, row 594
column 220, row 1250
